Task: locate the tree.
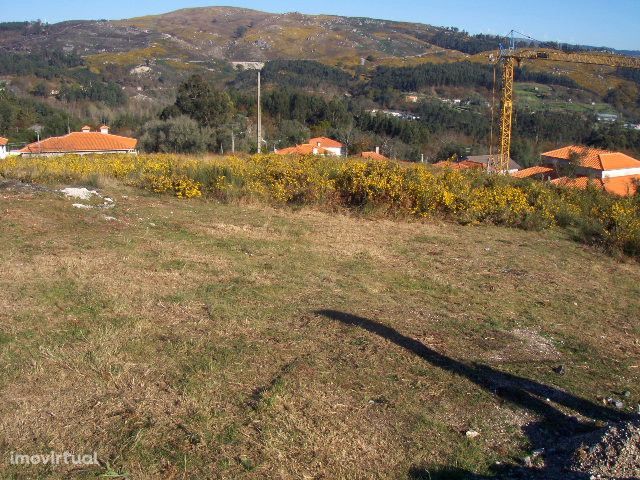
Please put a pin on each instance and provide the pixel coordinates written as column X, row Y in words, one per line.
column 40, row 90
column 208, row 106
column 176, row 135
column 293, row 132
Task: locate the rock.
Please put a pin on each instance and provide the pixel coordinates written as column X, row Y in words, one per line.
column 472, row 434
column 81, row 193
column 560, row 370
column 527, row 462
column 615, row 402
column 611, row 452
column 626, row 394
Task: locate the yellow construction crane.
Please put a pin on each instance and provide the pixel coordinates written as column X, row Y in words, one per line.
column 512, row 57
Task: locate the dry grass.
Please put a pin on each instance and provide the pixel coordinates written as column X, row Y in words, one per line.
column 183, row 340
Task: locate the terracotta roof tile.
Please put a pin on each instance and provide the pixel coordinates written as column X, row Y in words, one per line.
column 325, row 142
column 463, row 165
column 622, row 186
column 471, row 164
column 4, row 141
column 373, row 156
column 594, row 158
column 82, row 142
column 579, row 182
column 305, row 149
column 532, row 171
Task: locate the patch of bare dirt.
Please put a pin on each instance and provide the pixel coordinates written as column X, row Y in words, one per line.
column 520, row 344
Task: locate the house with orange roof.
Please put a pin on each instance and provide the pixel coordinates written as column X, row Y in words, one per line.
column 333, row 147
column 476, row 161
column 304, row 149
column 316, row 146
column 3, row 147
column 462, row 165
column 591, row 162
column 82, row 143
column 375, row 155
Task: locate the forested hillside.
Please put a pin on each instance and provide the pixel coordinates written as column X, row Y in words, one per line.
column 411, row 89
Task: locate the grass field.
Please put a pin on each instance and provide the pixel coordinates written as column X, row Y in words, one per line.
column 536, row 97
column 199, row 339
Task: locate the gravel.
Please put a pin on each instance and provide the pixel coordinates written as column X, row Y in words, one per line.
column 612, row 453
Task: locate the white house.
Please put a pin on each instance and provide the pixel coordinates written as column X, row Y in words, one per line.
column 3, row 147
column 316, row 146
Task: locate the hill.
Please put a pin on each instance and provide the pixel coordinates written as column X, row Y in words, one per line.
column 234, row 34
column 127, row 72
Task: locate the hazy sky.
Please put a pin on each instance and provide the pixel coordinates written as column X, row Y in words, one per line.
column 613, row 23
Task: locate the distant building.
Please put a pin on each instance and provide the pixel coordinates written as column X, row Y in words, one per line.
column 607, row 117
column 462, row 165
column 375, row 155
column 316, row 146
column 332, row 146
column 82, row 143
column 592, row 162
column 613, row 172
column 304, row 149
column 395, row 114
column 3, row 147
column 411, row 98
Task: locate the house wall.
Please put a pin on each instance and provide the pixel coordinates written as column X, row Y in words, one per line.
column 3, row 151
column 623, row 172
column 337, row 151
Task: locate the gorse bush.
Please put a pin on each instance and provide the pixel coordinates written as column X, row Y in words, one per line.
column 590, row 216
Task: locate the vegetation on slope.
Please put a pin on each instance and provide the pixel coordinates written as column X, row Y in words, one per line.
column 386, row 187
column 132, row 69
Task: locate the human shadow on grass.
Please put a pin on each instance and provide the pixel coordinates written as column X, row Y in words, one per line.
column 554, row 427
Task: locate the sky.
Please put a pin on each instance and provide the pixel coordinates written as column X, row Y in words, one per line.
column 611, row 23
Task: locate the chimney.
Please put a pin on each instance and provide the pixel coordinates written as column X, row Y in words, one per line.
column 104, row 129
column 86, row 129
column 378, row 150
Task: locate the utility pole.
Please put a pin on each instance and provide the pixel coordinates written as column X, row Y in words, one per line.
column 259, row 117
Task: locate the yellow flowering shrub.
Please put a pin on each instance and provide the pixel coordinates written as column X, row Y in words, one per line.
column 623, row 224
column 374, row 183
column 501, row 204
column 181, row 185
column 418, row 190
